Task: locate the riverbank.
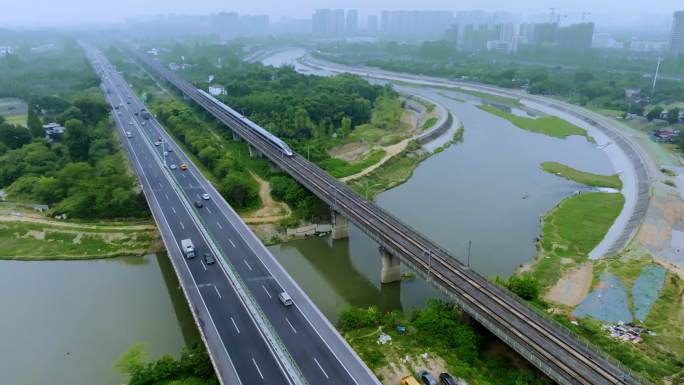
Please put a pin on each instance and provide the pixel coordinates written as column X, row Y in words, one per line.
column 585, row 178
column 28, row 236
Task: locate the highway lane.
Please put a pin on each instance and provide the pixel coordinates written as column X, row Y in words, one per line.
column 302, row 341
column 240, row 337
column 307, row 341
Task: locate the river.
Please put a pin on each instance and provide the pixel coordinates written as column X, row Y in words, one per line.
column 488, row 190
column 67, row 322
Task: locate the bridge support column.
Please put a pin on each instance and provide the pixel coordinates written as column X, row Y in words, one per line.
column 340, row 226
column 254, row 152
column 391, row 267
column 274, row 167
column 236, row 137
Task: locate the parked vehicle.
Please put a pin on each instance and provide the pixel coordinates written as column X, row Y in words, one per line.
column 446, row 379
column 188, row 248
column 426, row 378
column 408, row 380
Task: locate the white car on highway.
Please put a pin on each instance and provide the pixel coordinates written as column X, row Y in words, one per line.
column 205, row 197
column 172, row 167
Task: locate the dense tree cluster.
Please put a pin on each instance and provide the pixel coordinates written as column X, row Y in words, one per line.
column 192, row 368
column 82, row 175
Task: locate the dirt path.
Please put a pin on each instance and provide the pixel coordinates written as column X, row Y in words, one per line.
column 11, row 218
column 391, row 151
column 271, row 210
column 573, row 286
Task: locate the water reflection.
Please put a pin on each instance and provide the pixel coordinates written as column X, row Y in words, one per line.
column 131, row 260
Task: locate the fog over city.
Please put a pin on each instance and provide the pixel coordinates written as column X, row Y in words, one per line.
column 47, row 13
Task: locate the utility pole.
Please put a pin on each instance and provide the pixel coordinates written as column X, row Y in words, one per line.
column 469, row 242
column 656, row 77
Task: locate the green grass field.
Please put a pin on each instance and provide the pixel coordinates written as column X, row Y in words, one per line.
column 573, row 229
column 429, row 123
column 16, row 119
column 550, row 125
column 483, row 95
column 582, row 177
column 39, row 241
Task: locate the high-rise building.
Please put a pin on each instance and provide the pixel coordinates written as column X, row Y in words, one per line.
column 476, row 39
column 352, row 22
column 545, row 33
column 256, row 25
column 321, row 23
column 526, row 32
column 451, row 34
column 576, row 37
column 505, row 38
column 677, row 34
column 384, row 21
column 228, row 25
column 372, row 24
column 337, row 22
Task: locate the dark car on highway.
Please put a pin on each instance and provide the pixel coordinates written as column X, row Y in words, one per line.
column 209, row 259
column 198, row 204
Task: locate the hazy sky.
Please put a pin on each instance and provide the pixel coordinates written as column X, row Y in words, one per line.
column 45, row 13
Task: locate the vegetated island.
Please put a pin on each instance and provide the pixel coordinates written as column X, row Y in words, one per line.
column 585, row 178
column 550, row 125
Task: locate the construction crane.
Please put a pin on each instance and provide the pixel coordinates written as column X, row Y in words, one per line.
column 551, row 16
column 559, row 17
column 584, row 14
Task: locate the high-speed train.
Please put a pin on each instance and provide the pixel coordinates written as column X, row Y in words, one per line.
column 253, row 127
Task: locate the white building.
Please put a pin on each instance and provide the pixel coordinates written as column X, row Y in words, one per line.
column 605, row 40
column 216, row 90
column 648, row 45
column 501, row 46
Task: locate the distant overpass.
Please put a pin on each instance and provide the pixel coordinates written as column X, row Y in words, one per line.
column 563, row 356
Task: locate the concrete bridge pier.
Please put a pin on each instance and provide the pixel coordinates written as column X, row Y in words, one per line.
column 340, row 226
column 391, row 267
column 254, row 152
column 274, row 166
column 236, row 137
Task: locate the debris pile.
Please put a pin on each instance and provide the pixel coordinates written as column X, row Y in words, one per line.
column 384, row 338
column 627, row 331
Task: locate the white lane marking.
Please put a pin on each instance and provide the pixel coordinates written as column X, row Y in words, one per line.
column 167, row 197
column 204, row 266
column 182, row 225
column 219, row 225
column 208, row 210
column 231, row 242
column 155, row 174
column 199, row 197
column 319, row 365
column 174, row 210
column 262, row 376
column 183, row 175
column 288, row 321
column 145, row 158
column 190, row 185
column 250, row 267
column 236, row 328
column 217, row 292
column 269, row 294
column 160, row 185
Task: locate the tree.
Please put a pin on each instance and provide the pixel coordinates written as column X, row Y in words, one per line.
column 34, row 124
column 14, row 136
column 654, row 113
column 77, row 139
column 673, row 115
column 240, row 189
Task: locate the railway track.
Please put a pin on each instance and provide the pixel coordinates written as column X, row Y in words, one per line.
column 563, row 356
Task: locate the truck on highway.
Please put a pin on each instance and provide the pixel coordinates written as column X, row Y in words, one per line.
column 188, row 248
column 144, row 114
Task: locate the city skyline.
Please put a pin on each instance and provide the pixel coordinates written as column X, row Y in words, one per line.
column 43, row 13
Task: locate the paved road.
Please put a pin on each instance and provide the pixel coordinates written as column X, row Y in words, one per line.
column 320, row 353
